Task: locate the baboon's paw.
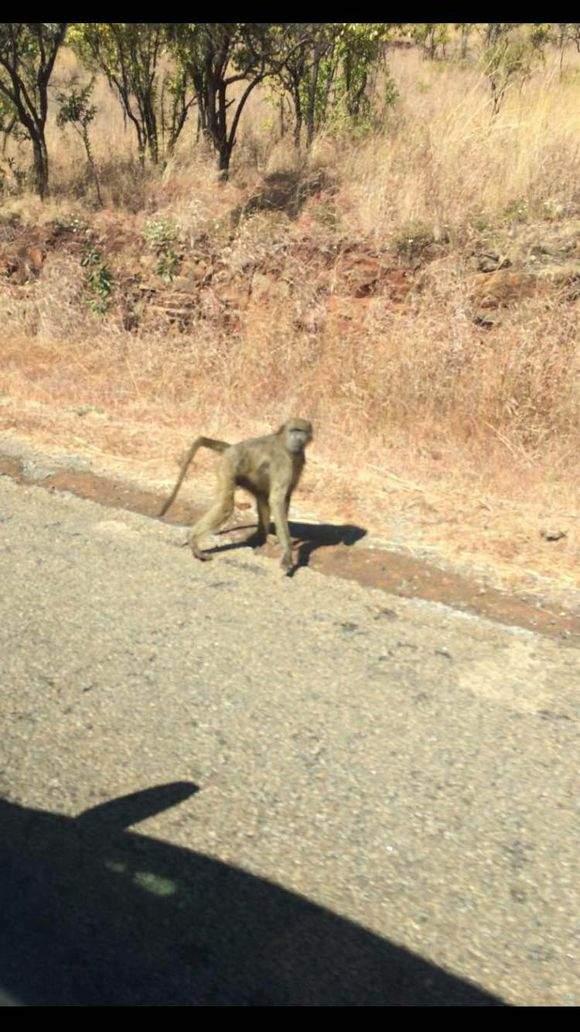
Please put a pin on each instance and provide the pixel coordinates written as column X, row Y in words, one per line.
column 203, row 558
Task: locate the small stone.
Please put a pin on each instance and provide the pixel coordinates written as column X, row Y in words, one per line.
column 388, row 614
column 350, row 627
column 552, row 534
column 518, row 895
column 443, row 652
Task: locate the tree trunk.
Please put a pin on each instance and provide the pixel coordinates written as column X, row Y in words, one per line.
column 311, row 106
column 6, row 132
column 40, row 165
column 496, row 96
column 224, row 156
column 297, row 119
column 162, row 127
column 150, row 121
column 177, row 124
column 92, row 165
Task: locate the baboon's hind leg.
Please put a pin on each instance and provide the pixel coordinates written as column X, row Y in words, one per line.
column 263, row 520
column 220, row 511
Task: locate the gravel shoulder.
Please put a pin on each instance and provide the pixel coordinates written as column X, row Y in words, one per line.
column 340, row 549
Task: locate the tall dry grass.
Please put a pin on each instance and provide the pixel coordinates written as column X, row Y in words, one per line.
column 428, row 372
column 447, row 162
column 439, row 160
column 427, row 378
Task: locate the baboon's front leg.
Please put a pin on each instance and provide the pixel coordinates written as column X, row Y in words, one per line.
column 279, row 505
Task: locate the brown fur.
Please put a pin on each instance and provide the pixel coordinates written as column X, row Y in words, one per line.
column 268, row 467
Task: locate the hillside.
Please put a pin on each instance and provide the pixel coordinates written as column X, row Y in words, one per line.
column 414, row 292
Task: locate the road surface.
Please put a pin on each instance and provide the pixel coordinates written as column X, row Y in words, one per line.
column 221, row 786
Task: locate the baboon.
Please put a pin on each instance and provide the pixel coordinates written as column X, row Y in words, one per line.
column 268, row 467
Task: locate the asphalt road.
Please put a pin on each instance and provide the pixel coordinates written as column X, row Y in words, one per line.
column 220, row 786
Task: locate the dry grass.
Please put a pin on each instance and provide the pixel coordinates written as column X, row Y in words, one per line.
column 446, row 161
column 469, row 423
column 440, row 159
column 423, row 478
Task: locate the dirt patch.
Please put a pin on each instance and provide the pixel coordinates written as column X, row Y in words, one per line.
column 343, row 274
column 328, row 548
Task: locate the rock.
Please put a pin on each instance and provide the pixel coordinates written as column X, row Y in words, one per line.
column 554, row 209
column 264, row 288
column 386, row 613
column 489, row 261
column 552, row 534
column 188, row 284
column 443, row 652
column 357, row 275
column 312, row 320
column 564, row 275
column 346, row 313
column 234, row 293
column 502, row 287
column 438, row 277
column 23, row 264
column 114, row 529
column 35, row 470
column 554, row 248
column 396, row 285
column 485, row 321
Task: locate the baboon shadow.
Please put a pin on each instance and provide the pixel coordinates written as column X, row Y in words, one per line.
column 93, row 914
column 308, row 537
column 313, row 536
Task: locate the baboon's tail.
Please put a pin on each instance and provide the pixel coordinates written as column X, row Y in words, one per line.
column 211, row 442
column 200, row 442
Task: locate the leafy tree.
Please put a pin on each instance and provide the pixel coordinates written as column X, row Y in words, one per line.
column 432, row 38
column 294, row 70
column 361, row 50
column 27, row 56
column 330, row 67
column 322, row 59
column 129, row 55
column 75, row 109
column 563, row 34
column 465, row 30
column 509, row 55
column 218, row 56
column 177, row 98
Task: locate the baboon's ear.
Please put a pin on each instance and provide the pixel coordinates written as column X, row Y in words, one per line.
column 281, row 430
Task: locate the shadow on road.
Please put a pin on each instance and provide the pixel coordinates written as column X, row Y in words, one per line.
column 95, row 914
column 309, row 537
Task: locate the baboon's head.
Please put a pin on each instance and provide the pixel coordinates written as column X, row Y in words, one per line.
column 297, row 434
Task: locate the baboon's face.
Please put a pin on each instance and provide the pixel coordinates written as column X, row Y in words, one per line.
column 298, row 434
